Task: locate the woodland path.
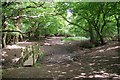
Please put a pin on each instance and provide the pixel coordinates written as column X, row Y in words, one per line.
column 70, row 61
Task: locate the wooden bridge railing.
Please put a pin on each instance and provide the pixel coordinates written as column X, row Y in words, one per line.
column 29, row 55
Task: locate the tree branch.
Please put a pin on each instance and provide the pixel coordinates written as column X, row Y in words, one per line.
column 5, row 4
column 20, row 9
column 74, row 24
column 32, row 6
column 13, row 31
column 32, row 29
column 104, row 22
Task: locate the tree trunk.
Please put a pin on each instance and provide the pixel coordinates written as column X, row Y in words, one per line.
column 0, row 40
column 101, row 38
column 118, row 27
column 102, row 42
column 92, row 39
column 4, row 40
column 17, row 25
column 118, row 31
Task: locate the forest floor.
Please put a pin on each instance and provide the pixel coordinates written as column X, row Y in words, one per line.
column 71, row 61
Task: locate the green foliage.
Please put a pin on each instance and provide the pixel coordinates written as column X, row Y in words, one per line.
column 87, row 19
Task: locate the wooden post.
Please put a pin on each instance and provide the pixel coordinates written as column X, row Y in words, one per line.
column 33, row 53
column 22, row 58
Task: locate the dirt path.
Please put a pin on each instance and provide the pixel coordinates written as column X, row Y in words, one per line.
column 57, row 52
column 69, row 60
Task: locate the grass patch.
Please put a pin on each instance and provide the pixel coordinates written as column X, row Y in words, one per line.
column 65, row 39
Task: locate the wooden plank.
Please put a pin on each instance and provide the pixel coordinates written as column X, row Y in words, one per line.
column 30, row 61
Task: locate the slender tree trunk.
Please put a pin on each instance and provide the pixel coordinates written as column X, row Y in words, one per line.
column 118, row 31
column 4, row 35
column 118, row 27
column 4, row 40
column 0, row 40
column 92, row 39
column 17, row 25
column 102, row 42
column 101, row 38
column 16, row 28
